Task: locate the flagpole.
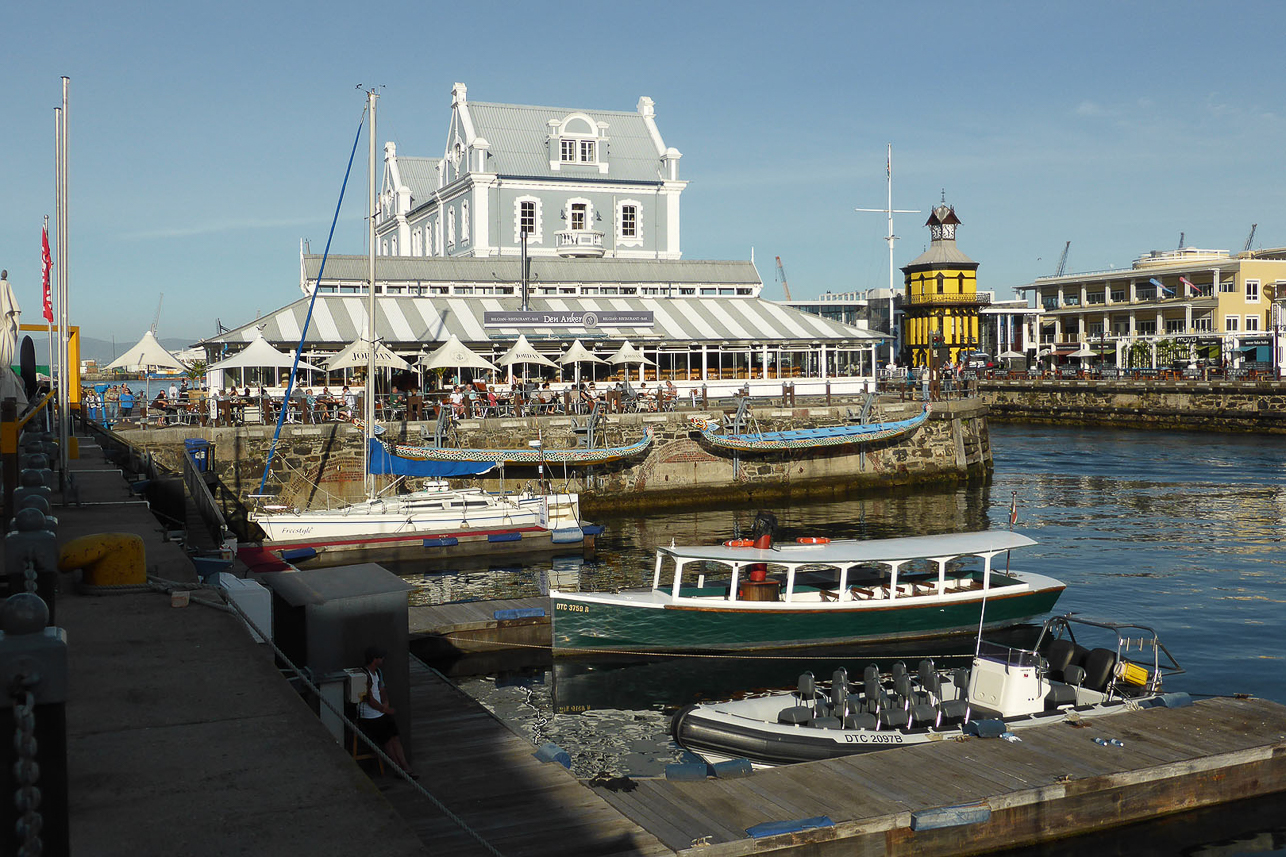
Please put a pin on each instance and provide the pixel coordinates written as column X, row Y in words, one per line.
column 64, row 422
column 46, row 306
column 58, row 247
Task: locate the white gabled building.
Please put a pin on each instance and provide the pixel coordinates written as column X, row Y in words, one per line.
column 595, row 183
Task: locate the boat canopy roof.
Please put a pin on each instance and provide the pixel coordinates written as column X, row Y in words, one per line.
column 845, row 552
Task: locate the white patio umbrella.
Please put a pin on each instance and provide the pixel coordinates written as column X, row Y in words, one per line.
column 260, row 354
column 525, row 353
column 10, row 386
column 577, row 355
column 628, row 354
column 357, row 355
column 1010, row 354
column 455, row 353
column 1083, row 352
column 147, row 356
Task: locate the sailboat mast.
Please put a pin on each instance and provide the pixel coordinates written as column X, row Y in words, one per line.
column 889, row 210
column 371, row 96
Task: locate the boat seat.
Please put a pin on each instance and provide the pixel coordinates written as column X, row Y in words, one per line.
column 873, row 696
column 827, row 723
column 1100, row 667
column 893, row 718
column 861, row 720
column 806, row 689
column 960, row 678
column 930, row 686
column 1059, row 695
column 796, row 715
column 1059, row 655
column 924, row 714
column 839, row 689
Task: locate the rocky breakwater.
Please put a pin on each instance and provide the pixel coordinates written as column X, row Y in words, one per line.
column 317, row 465
column 1252, row 406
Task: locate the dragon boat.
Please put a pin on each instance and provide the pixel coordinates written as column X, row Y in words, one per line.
column 533, row 455
column 809, row 438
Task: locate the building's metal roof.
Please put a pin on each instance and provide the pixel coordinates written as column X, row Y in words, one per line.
column 420, row 176
column 505, row 269
column 407, row 323
column 941, row 252
column 518, row 135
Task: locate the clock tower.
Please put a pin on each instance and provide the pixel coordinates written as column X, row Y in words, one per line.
column 942, row 302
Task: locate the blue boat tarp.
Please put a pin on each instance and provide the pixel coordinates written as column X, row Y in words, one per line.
column 776, row 828
column 382, row 462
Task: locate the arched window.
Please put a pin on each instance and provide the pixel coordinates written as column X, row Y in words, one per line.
column 940, row 280
column 451, row 226
column 527, row 217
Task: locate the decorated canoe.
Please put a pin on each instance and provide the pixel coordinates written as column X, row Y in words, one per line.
column 810, row 438
column 529, row 456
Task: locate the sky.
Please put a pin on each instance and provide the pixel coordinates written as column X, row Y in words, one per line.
column 207, row 140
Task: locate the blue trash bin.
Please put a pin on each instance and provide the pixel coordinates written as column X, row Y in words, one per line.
column 200, row 451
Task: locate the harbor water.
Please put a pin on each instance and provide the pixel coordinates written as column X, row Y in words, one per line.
column 1178, row 531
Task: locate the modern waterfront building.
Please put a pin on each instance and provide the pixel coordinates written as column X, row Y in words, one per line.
column 1168, row 307
column 597, row 195
column 940, row 309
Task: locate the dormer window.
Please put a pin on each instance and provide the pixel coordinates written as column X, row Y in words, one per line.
column 578, row 151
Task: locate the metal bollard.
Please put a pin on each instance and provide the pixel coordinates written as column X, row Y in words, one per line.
column 33, row 723
column 705, row 398
column 828, row 392
column 37, row 501
column 31, row 483
column 31, row 557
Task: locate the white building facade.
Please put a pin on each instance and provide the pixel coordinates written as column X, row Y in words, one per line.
column 580, row 183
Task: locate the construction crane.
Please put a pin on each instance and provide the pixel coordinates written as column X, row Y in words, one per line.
column 156, row 319
column 1062, row 260
column 1250, row 238
column 781, row 275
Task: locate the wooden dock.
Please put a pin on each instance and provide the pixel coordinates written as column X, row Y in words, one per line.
column 482, row 626
column 1056, row 782
column 489, row 777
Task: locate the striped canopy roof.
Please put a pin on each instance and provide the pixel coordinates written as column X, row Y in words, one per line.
column 409, row 323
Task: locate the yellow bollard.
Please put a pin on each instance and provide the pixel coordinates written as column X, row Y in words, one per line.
column 109, row 559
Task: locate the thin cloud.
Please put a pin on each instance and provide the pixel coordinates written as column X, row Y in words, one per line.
column 220, row 226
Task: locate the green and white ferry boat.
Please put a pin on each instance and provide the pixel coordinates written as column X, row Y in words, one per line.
column 746, row 595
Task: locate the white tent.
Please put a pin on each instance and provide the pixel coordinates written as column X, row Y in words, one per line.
column 260, row 354
column 579, row 354
column 357, row 356
column 455, row 354
column 524, row 352
column 147, row 355
column 627, row 353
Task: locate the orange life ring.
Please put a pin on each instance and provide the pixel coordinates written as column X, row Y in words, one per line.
column 813, row 540
column 739, row 543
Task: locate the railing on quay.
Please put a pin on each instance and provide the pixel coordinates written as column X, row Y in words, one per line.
column 11, row 426
column 199, row 491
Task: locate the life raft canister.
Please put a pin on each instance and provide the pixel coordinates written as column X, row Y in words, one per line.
column 813, row 540
column 1132, row 673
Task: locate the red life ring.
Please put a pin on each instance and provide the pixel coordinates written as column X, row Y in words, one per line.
column 813, row 540
column 738, row 543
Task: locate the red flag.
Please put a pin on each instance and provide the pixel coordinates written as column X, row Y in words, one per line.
column 45, row 265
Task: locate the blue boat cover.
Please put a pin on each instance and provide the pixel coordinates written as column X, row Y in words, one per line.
column 774, row 828
column 382, row 461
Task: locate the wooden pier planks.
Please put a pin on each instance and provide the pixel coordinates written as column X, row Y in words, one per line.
column 472, row 626
column 489, row 777
column 1056, row 782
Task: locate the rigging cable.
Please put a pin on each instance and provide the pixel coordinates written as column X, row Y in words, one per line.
column 294, row 367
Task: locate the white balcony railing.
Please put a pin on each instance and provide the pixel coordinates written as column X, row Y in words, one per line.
column 578, row 242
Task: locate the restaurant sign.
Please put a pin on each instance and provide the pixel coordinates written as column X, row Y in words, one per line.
column 587, row 319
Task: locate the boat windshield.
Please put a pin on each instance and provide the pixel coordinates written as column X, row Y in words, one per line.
column 1010, row 657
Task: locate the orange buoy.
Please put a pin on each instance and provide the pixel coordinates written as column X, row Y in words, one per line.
column 738, row 543
column 813, row 540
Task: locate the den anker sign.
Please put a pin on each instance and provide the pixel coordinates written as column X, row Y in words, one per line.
column 568, row 318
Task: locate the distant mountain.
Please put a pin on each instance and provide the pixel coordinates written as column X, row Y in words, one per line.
column 101, row 350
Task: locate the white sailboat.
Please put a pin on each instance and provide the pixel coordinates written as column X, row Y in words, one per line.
column 435, row 517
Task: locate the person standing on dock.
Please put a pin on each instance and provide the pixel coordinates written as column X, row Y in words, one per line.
column 375, row 715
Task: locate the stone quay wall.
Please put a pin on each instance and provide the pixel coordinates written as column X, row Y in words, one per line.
column 1250, row 406
column 319, row 464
